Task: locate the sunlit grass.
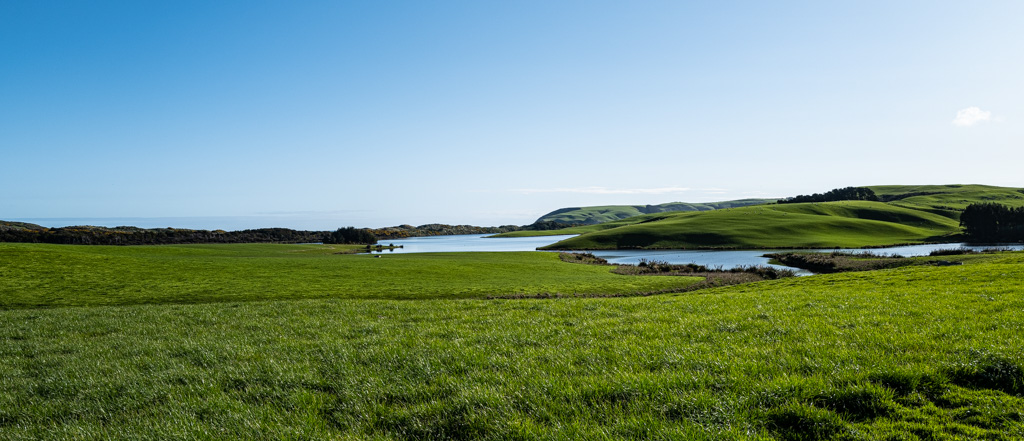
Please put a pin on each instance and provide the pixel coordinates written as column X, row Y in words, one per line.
column 910, row 353
column 34, row 275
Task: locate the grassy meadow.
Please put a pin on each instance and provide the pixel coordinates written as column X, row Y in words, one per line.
column 42, row 275
column 912, row 353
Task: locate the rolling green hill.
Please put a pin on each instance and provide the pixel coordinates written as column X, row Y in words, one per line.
column 948, row 200
column 820, row 225
column 909, row 214
column 607, row 213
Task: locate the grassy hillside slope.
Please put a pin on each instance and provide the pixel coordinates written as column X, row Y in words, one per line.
column 831, row 224
column 948, row 199
column 608, row 213
column 913, row 353
column 909, row 214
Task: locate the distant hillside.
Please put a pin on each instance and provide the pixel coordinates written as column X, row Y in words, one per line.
column 948, row 200
column 404, row 231
column 608, row 213
column 905, row 214
column 804, row 225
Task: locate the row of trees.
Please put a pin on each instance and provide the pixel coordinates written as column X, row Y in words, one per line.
column 403, row 231
column 991, row 222
column 549, row 225
column 351, row 235
column 92, row 235
column 89, row 235
column 839, row 194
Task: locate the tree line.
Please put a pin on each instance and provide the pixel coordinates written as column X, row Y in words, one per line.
column 351, row 235
column 838, row 194
column 92, row 235
column 991, row 222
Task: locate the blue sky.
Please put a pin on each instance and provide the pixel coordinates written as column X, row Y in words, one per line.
column 327, row 114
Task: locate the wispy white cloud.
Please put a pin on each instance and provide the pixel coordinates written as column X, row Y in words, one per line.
column 604, row 190
column 971, row 116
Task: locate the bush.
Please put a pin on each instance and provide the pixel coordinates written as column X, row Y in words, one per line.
column 839, row 194
column 351, row 235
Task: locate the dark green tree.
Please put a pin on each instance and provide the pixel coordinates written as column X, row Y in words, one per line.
column 991, row 222
column 351, row 235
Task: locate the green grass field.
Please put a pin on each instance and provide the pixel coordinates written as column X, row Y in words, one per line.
column 904, row 354
column 38, row 275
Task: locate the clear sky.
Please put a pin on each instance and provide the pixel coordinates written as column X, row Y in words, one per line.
column 319, row 115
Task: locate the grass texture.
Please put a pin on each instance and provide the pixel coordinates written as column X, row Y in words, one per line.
column 904, row 354
column 41, row 275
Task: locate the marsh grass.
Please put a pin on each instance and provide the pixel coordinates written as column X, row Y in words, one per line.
column 584, row 258
column 964, row 250
column 662, row 268
column 836, row 262
column 840, row 262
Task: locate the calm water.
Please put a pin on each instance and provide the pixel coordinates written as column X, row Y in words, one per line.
column 711, row 259
column 469, row 242
column 731, row 259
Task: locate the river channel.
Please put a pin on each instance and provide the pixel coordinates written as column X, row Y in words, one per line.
column 725, row 259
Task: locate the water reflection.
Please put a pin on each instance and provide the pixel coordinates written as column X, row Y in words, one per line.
column 712, row 259
column 470, row 243
column 733, row 258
